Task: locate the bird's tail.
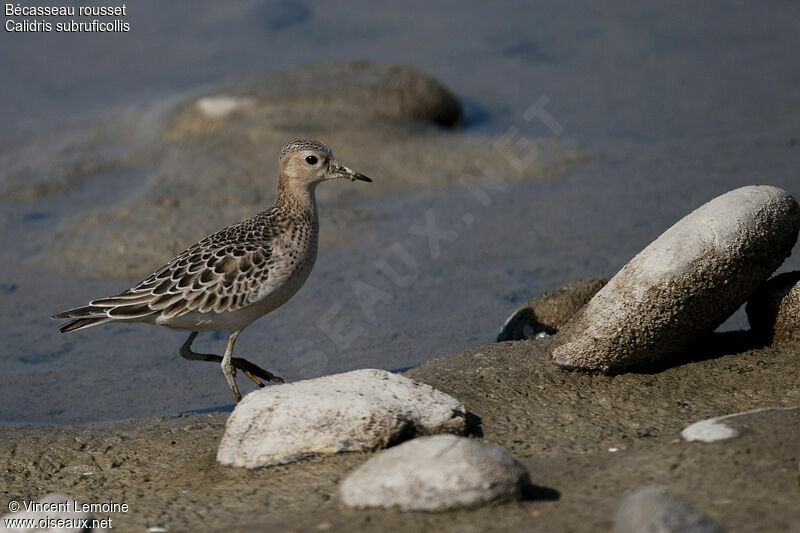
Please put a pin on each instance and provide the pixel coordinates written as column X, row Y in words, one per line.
column 84, row 317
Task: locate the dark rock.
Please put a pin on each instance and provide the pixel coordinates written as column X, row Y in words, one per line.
column 352, row 88
column 550, row 310
column 774, row 309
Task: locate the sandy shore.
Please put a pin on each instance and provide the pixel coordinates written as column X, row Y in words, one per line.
column 586, row 440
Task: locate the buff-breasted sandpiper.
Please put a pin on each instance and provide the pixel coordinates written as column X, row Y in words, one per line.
column 236, row 275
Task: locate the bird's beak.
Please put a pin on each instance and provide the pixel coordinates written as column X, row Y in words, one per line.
column 344, row 172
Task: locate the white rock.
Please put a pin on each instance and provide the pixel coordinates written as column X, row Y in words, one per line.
column 685, row 283
column 360, row 410
column 714, row 429
column 657, row 510
column 47, row 514
column 711, row 430
column 435, row 474
column 221, row 106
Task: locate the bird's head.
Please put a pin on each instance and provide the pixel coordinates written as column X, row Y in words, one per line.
column 305, row 163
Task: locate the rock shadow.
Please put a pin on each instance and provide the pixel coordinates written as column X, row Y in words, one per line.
column 537, row 492
column 711, row 346
column 474, row 425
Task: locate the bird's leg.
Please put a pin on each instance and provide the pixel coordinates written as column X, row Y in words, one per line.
column 187, row 353
column 227, row 367
column 251, row 370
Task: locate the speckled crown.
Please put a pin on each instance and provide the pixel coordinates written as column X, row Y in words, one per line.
column 305, row 144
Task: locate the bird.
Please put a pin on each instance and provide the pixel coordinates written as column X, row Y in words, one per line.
column 231, row 278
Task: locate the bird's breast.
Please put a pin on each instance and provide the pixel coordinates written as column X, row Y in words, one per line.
column 293, row 258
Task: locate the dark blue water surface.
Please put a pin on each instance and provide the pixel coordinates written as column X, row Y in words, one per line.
column 678, row 103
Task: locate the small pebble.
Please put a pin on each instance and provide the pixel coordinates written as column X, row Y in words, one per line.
column 711, row 430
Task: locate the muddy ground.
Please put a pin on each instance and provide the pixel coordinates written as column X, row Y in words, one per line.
column 587, row 441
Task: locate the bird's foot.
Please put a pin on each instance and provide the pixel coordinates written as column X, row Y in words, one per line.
column 254, row 371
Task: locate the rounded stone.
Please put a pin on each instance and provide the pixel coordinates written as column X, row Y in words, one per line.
column 435, row 474
column 353, row 87
column 355, row 411
column 774, row 309
column 549, row 311
column 656, row 509
column 684, row 284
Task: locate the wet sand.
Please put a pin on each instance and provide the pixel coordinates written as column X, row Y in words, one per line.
column 586, row 440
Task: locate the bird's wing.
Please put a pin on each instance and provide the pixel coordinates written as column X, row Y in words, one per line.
column 223, row 272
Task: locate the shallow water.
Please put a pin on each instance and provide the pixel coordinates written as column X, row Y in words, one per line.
column 677, row 104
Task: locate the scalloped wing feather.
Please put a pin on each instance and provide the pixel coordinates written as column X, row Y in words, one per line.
column 221, row 273
column 224, row 282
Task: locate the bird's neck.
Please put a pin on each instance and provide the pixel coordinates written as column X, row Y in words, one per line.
column 297, row 203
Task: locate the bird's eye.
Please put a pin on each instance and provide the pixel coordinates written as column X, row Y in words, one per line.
column 311, row 160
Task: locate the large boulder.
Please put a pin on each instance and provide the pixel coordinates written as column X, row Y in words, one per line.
column 355, row 411
column 684, row 284
column 774, row 309
column 435, row 474
column 549, row 311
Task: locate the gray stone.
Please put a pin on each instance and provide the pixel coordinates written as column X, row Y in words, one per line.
column 774, row 309
column 355, row 411
column 54, row 512
column 349, row 88
column 550, row 310
column 684, row 284
column 657, row 510
column 435, row 474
